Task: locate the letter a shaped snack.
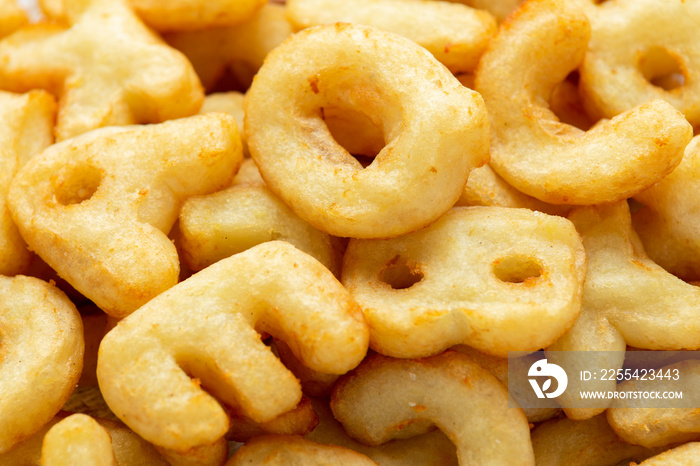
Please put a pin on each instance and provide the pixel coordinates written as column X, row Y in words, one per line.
column 97, row 208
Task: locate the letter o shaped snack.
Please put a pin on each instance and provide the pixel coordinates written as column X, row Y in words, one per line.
column 436, row 131
column 494, row 278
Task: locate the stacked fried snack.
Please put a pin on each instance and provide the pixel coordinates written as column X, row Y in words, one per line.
column 333, row 265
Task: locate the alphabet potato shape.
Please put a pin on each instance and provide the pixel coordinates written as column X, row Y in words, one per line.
column 388, row 76
column 207, row 327
column 387, row 398
column 557, row 163
column 654, row 427
column 97, row 208
column 639, row 52
column 627, row 300
column 107, row 69
column 494, row 278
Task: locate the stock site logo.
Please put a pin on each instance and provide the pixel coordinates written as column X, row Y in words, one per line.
column 542, row 368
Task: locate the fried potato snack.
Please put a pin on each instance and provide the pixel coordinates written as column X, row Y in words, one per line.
column 107, row 69
column 685, row 455
column 77, row 439
column 299, row 421
column 627, row 299
column 177, row 15
column 499, row 8
column 387, row 398
column 191, row 330
column 499, row 367
column 40, row 357
column 12, row 17
column 583, row 443
column 313, row 383
column 97, row 208
column 227, row 102
column 669, row 224
column 230, row 221
column 129, row 449
column 639, row 52
column 455, row 34
column 557, row 163
column 286, row 450
column 390, row 79
column 239, row 49
column 430, row 449
column 654, row 427
column 484, row 276
column 26, row 128
column 485, row 187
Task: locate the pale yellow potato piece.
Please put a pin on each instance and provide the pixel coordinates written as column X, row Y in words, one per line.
column 485, row 187
column 40, row 357
column 583, row 443
column 499, row 367
column 685, row 455
column 284, row 450
column 129, row 449
column 177, row 15
column 299, row 421
column 669, row 222
column 627, row 299
column 227, row 222
column 494, row 278
column 654, row 427
column 26, row 128
column 558, row 163
column 313, row 383
column 499, row 8
column 389, row 76
column 386, row 398
column 77, row 440
column 455, row 34
column 227, row 102
column 107, row 69
column 207, row 327
column 640, row 52
column 239, row 49
column 429, row 449
column 97, row 208
column 12, row 17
